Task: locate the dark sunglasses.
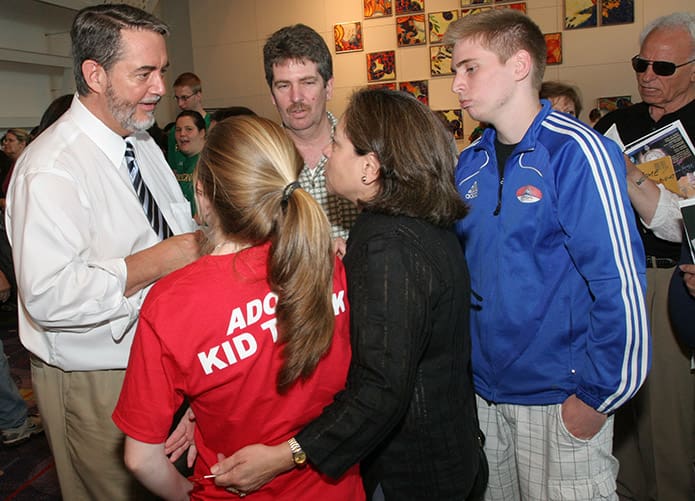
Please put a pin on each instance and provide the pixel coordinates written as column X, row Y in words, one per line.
column 661, row 68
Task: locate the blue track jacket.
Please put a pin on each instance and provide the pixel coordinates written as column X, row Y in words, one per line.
column 558, row 274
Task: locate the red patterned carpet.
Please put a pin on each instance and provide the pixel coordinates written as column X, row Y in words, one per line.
column 27, row 472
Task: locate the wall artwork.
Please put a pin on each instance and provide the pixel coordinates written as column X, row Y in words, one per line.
column 607, row 104
column 418, row 89
column 348, row 37
column 580, row 14
column 470, row 12
column 453, row 119
column 438, row 23
column 520, row 6
column 469, row 3
column 617, row 12
column 409, row 6
column 377, row 8
column 381, row 66
column 553, row 43
column 440, row 61
column 410, row 30
column 385, row 85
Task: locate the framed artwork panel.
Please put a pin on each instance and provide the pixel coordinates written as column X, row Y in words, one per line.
column 606, row 104
column 381, row 66
column 617, row 12
column 553, row 43
column 580, row 14
column 385, row 85
column 377, row 8
column 471, row 12
column 409, row 6
column 438, row 23
column 453, row 119
column 418, row 89
column 348, row 37
column 520, row 6
column 410, row 30
column 440, row 61
column 470, row 3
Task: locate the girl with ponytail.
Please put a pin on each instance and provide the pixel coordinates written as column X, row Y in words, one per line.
column 255, row 333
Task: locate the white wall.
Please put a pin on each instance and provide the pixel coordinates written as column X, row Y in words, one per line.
column 228, row 37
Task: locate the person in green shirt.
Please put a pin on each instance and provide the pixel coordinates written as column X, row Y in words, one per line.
column 190, row 132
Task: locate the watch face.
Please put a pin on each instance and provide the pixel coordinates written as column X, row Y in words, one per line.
column 299, row 457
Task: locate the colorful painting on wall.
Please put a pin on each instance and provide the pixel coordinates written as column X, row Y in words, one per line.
column 468, row 3
column 385, row 85
column 520, row 6
column 377, row 8
column 440, row 61
column 348, row 37
column 617, row 12
column 410, row 30
column 381, row 66
column 453, row 119
column 439, row 22
column 470, row 12
column 580, row 14
column 606, row 104
column 418, row 89
column 409, row 6
column 553, row 43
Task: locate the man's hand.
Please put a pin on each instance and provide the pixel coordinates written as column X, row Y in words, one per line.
column 151, row 264
column 181, row 439
column 689, row 277
column 339, row 247
column 581, row 420
column 252, row 467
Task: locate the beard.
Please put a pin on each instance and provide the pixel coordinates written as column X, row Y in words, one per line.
column 124, row 111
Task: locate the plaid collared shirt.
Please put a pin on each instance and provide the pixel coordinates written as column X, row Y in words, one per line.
column 340, row 212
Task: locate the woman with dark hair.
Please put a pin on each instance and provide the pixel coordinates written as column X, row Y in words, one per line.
column 255, row 335
column 407, row 414
column 189, row 132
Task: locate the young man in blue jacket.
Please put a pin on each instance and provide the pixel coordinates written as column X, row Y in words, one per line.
column 560, row 332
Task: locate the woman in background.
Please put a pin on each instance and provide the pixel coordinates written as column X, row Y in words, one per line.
column 407, row 414
column 189, row 132
column 255, row 334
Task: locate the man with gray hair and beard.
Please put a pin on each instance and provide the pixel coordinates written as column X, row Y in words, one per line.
column 95, row 216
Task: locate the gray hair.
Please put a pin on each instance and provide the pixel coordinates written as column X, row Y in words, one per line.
column 677, row 20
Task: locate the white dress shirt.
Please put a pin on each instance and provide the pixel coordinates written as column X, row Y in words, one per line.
column 72, row 217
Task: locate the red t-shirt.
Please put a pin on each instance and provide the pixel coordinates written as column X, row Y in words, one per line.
column 208, row 332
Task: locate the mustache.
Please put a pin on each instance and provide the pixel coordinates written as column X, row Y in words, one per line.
column 297, row 107
column 151, row 100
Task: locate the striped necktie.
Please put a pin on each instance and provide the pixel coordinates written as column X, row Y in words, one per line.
column 149, row 205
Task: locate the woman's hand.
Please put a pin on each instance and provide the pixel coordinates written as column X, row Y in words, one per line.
column 181, row 439
column 252, row 467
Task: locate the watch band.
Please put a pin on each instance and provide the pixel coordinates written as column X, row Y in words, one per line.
column 298, row 455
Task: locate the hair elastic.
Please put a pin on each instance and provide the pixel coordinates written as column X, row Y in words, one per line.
column 287, row 193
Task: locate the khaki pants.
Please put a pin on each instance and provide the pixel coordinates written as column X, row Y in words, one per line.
column 655, row 431
column 76, row 410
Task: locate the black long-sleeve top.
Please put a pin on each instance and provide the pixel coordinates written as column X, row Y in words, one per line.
column 408, row 410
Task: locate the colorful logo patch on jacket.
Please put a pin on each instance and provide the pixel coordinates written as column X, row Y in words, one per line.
column 529, row 194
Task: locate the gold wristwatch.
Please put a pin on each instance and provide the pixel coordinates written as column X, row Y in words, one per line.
column 298, row 455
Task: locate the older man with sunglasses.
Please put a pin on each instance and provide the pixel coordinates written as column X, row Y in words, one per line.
column 654, row 433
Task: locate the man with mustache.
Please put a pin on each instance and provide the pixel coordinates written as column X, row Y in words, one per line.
column 299, row 72
column 95, row 216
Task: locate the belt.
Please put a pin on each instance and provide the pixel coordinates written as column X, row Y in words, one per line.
column 660, row 262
